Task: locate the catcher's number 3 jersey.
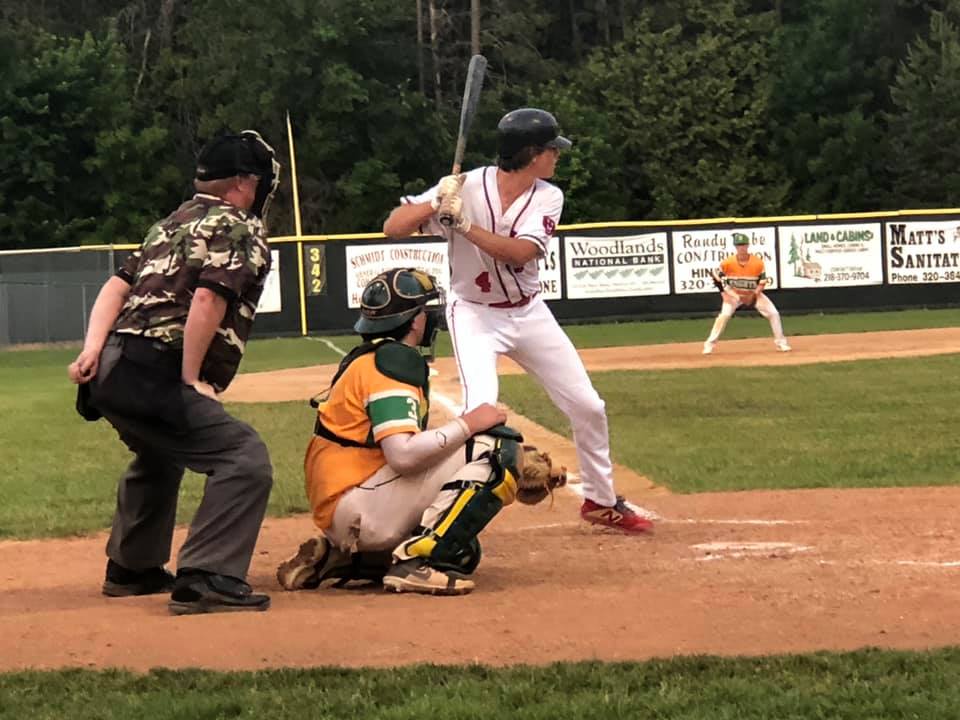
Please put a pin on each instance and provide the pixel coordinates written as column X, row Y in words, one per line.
column 364, row 406
column 743, row 278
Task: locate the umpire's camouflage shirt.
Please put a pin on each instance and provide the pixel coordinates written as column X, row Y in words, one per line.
column 205, row 242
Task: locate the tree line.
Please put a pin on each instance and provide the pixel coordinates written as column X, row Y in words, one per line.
column 678, row 108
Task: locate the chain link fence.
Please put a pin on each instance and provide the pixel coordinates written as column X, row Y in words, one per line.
column 46, row 296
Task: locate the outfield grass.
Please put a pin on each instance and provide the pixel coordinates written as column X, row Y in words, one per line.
column 296, row 352
column 60, row 473
column 872, row 423
column 852, row 686
column 279, row 353
column 876, row 423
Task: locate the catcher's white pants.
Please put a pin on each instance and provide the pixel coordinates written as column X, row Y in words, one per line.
column 764, row 306
column 531, row 336
column 383, row 512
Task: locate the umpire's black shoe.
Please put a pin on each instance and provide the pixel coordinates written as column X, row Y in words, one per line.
column 198, row 591
column 122, row 582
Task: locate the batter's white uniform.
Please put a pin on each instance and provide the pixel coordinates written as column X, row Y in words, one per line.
column 496, row 309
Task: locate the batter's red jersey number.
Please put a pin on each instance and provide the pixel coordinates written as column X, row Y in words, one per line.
column 482, row 281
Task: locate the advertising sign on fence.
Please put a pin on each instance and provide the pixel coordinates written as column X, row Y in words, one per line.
column 622, row 266
column 923, row 252
column 551, row 272
column 366, row 261
column 830, row 255
column 270, row 298
column 696, row 253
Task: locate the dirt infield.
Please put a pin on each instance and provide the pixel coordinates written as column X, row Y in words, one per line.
column 733, row 573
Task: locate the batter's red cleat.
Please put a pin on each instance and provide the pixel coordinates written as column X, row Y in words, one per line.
column 619, row 517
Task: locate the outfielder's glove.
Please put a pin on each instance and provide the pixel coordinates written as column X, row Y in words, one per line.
column 717, row 278
column 539, row 477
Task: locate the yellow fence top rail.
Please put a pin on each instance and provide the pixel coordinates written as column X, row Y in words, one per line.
column 560, row 228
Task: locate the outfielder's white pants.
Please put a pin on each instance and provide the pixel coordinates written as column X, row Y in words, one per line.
column 531, row 336
column 764, row 306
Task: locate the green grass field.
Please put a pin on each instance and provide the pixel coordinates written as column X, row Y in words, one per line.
column 684, row 429
column 300, row 352
column 872, row 423
column 864, row 685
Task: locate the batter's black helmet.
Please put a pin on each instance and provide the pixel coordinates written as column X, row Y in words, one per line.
column 528, row 127
column 394, row 297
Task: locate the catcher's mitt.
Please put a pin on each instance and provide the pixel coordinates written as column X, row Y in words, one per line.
column 539, row 477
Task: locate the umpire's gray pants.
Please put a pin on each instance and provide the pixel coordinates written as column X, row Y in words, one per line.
column 169, row 426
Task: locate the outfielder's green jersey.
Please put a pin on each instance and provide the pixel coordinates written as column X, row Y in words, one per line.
column 205, row 242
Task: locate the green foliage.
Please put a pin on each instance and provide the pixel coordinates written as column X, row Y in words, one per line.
column 76, row 165
column 679, row 108
column 925, row 122
column 684, row 102
column 835, row 61
column 341, row 69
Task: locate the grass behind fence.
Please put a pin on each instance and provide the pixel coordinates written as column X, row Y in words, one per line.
column 865, row 685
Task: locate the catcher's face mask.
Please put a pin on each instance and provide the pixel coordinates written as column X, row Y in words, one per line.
column 435, row 310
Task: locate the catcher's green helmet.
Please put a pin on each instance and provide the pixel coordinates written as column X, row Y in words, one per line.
column 394, row 297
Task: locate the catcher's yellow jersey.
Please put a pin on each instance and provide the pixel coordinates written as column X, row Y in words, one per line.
column 743, row 278
column 364, row 406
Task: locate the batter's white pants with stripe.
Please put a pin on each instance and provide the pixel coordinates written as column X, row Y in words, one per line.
column 531, row 336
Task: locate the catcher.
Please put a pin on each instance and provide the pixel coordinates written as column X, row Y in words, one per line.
column 393, row 500
column 741, row 280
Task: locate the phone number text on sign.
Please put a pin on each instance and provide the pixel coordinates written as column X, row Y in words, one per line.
column 923, row 252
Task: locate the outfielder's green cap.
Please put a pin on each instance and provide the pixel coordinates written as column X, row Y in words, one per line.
column 740, row 239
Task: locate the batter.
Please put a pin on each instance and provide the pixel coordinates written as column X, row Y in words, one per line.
column 505, row 217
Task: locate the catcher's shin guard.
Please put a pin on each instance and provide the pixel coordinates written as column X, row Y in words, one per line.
column 451, row 544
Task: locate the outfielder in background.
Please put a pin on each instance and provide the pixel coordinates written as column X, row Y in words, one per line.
column 166, row 334
column 393, row 500
column 741, row 279
column 504, row 218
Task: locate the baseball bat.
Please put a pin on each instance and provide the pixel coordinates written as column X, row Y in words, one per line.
column 468, row 109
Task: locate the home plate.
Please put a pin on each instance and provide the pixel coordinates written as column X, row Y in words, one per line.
column 734, row 550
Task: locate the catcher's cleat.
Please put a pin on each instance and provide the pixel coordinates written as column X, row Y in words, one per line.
column 316, row 560
column 121, row 582
column 783, row 346
column 619, row 517
column 708, row 348
column 416, row 576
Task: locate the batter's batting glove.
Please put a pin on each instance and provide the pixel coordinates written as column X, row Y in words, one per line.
column 448, row 185
column 452, row 207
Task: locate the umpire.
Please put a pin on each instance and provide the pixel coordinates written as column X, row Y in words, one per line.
column 166, row 334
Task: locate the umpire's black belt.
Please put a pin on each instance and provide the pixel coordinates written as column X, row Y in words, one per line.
column 151, row 353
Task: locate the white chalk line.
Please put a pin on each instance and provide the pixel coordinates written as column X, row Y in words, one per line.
column 713, row 551
column 329, row 344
